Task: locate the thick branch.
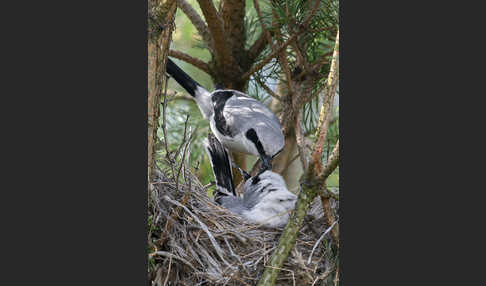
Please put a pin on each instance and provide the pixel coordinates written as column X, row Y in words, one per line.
column 197, row 21
column 313, row 180
column 325, row 114
column 334, row 158
column 330, row 165
column 193, row 61
column 289, row 235
column 215, row 25
column 336, row 278
column 233, row 14
column 162, row 12
column 326, row 195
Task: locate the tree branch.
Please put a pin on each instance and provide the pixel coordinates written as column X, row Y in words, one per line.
column 265, row 32
column 267, row 89
column 275, row 53
column 193, row 61
column 197, row 21
column 233, row 15
column 257, row 48
column 330, row 165
column 265, row 61
column 312, row 183
column 282, row 57
column 325, row 114
column 300, row 59
column 336, row 278
column 162, row 14
column 289, row 162
column 324, row 119
column 222, row 51
column 299, row 138
column 314, row 9
column 182, row 97
column 322, row 60
column 296, row 220
column 326, row 195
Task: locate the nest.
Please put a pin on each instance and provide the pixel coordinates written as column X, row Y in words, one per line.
column 193, row 241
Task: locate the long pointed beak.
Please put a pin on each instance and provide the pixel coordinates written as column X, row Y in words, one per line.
column 266, row 163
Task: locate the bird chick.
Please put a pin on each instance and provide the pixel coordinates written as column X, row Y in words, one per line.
column 266, row 199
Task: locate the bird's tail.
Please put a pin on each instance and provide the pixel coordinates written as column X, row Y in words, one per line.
column 187, row 82
column 221, row 168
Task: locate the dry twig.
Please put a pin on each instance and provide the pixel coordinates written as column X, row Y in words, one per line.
column 313, row 179
column 196, row 21
column 192, row 60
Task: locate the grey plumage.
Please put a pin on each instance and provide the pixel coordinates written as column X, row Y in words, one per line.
column 242, row 113
column 266, row 199
column 241, row 123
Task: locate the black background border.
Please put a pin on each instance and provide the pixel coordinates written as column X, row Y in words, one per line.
column 74, row 109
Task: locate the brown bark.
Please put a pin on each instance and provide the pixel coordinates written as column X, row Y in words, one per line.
column 313, row 180
column 162, row 12
column 233, row 15
column 296, row 220
column 222, row 52
column 232, row 66
column 189, row 59
column 326, row 205
column 325, row 114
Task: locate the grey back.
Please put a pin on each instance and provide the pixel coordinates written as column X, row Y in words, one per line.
column 242, row 113
column 265, row 200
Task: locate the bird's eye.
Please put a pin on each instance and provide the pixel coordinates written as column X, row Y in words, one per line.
column 281, row 201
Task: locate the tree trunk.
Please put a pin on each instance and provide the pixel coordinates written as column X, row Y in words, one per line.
column 161, row 18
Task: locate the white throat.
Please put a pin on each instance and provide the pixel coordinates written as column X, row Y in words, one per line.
column 203, row 100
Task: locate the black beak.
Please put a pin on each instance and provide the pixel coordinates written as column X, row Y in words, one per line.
column 266, row 163
column 243, row 173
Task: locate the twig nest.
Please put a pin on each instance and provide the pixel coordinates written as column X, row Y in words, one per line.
column 193, row 241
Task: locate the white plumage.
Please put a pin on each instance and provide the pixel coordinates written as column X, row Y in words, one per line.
column 241, row 123
column 266, row 199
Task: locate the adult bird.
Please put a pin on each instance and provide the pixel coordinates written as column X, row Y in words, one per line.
column 241, row 123
column 266, row 200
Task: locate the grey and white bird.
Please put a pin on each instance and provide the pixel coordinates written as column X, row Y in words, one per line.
column 266, row 199
column 241, row 123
